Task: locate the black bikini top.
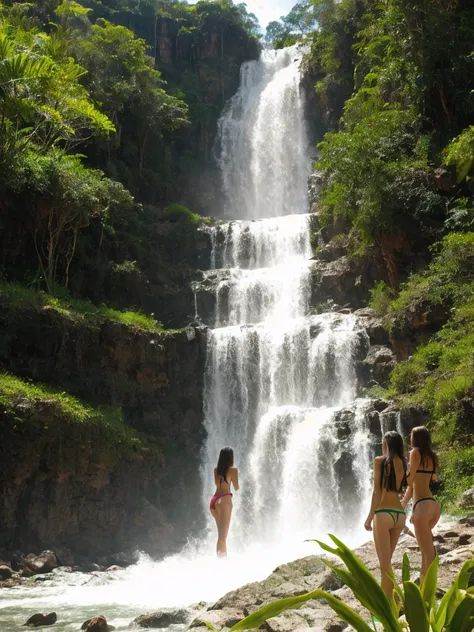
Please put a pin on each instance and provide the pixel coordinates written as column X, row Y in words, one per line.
column 433, row 471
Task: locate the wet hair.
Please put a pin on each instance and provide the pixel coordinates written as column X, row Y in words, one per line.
column 226, row 460
column 421, row 439
column 388, row 476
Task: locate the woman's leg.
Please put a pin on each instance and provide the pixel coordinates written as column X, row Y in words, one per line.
column 225, row 513
column 383, row 524
column 426, row 516
column 395, row 533
column 215, row 515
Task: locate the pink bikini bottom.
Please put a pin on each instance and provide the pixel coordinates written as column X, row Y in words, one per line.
column 215, row 498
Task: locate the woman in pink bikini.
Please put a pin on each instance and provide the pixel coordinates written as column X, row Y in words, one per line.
column 225, row 475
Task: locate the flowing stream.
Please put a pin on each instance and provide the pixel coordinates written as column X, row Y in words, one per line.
column 280, row 384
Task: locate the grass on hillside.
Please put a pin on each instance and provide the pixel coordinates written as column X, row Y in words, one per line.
column 21, row 297
column 108, row 421
column 439, row 375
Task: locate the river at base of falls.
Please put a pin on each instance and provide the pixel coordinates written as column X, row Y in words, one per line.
column 193, row 576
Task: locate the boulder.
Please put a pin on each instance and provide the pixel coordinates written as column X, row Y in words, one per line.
column 222, row 618
column 88, row 567
column 311, row 618
column 123, row 559
column 97, row 624
column 467, row 499
column 373, row 325
column 38, row 620
column 412, row 416
column 162, row 618
column 64, row 556
column 379, row 363
column 45, row 562
column 335, row 249
column 315, row 182
column 26, row 571
column 5, row 572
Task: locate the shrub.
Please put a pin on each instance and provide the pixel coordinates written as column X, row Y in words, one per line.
column 180, row 213
column 102, row 427
column 20, row 297
column 381, row 297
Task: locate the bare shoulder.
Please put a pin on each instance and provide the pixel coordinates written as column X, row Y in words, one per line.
column 378, row 459
column 233, row 470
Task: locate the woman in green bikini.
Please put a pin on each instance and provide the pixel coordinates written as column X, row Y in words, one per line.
column 426, row 511
column 386, row 510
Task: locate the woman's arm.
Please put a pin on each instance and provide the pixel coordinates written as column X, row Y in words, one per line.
column 235, row 478
column 407, row 496
column 415, row 460
column 376, row 493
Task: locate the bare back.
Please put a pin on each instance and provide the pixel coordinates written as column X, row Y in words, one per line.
column 223, row 485
column 421, row 480
column 390, row 499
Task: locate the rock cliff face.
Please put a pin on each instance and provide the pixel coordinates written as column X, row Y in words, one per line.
column 57, row 487
column 59, row 490
column 208, row 59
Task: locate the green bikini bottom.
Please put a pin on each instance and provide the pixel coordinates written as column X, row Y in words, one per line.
column 394, row 513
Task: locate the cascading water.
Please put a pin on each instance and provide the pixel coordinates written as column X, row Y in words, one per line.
column 277, row 376
column 280, row 383
column 263, row 140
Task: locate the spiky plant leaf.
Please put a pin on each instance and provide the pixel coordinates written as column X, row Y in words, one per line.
column 415, row 609
column 429, row 584
column 463, row 617
column 257, row 618
column 406, row 568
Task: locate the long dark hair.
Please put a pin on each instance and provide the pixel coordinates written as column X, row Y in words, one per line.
column 421, row 439
column 226, row 460
column 388, row 476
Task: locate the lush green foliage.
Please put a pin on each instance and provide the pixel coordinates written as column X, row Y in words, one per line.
column 103, row 426
column 454, row 613
column 395, row 81
column 74, row 78
column 292, row 28
column 20, row 297
column 439, row 375
column 198, row 50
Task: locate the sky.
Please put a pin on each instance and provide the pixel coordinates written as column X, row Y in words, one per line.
column 266, row 10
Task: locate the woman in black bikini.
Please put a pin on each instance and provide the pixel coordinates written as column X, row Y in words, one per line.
column 225, row 475
column 426, row 511
column 386, row 510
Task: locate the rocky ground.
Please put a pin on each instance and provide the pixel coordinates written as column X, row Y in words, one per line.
column 454, row 541
column 455, row 544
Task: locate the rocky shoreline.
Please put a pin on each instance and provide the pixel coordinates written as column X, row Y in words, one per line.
column 454, row 541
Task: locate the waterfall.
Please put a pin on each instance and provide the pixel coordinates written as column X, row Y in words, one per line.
column 279, row 381
column 263, row 141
